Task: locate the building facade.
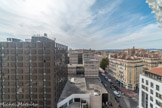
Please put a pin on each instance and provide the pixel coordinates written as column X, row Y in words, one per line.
column 32, row 72
column 150, row 62
column 126, row 65
column 83, row 62
column 150, row 92
column 126, row 72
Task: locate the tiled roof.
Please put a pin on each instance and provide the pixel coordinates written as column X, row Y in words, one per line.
column 157, row 71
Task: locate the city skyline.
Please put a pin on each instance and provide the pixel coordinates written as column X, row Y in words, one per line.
column 95, row 24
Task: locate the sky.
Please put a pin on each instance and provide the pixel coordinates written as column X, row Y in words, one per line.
column 96, row 24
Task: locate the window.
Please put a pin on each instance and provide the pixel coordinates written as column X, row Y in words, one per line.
column 151, row 98
column 76, row 99
column 158, row 103
column 146, row 82
column 145, row 88
column 157, row 87
column 70, row 101
column 159, row 96
column 151, row 91
column 152, row 85
column 151, row 106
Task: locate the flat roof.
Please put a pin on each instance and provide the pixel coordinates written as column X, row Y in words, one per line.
column 75, row 65
column 157, row 71
column 81, row 85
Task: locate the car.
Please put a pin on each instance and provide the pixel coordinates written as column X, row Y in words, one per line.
column 105, row 85
column 112, row 84
column 117, row 94
column 103, row 74
column 109, row 80
column 111, row 87
column 116, row 88
column 110, row 103
column 117, row 100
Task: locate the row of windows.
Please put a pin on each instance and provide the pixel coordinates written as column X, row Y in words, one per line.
column 151, row 84
column 21, row 96
column 25, row 77
column 27, row 51
column 26, row 58
column 24, row 45
column 25, row 70
column 26, row 90
column 21, row 64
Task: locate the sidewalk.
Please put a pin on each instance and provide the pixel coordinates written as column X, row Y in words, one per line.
column 126, row 92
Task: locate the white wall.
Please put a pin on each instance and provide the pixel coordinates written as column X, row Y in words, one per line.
column 81, row 96
column 148, row 92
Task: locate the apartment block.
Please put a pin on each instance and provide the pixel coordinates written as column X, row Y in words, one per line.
column 32, row 72
column 150, row 92
column 126, row 71
column 151, row 62
column 126, row 65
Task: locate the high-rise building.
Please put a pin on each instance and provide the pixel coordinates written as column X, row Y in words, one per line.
column 150, row 92
column 32, row 72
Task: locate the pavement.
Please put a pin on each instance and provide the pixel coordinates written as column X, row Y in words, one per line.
column 128, row 98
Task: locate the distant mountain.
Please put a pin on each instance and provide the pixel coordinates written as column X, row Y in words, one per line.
column 154, row 49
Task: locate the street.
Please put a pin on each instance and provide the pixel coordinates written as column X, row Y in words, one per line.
column 124, row 101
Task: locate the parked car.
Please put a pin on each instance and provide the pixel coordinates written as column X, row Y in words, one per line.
column 103, row 74
column 110, row 103
column 106, row 77
column 116, row 99
column 109, row 80
column 105, row 85
column 116, row 94
column 111, row 83
column 111, row 87
column 116, row 88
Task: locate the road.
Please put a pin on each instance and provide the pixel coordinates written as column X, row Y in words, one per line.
column 124, row 101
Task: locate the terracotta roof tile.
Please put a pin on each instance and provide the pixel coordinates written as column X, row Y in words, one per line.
column 157, row 71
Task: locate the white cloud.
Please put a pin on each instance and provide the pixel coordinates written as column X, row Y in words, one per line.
column 68, row 21
column 142, row 37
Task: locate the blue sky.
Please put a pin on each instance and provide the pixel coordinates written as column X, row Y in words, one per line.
column 96, row 24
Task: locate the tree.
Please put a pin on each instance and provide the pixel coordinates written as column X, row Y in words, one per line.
column 104, row 62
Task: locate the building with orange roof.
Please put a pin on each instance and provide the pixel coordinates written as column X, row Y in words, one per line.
column 150, row 92
column 127, row 64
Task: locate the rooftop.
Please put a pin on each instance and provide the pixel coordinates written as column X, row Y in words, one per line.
column 75, row 65
column 157, row 71
column 81, row 85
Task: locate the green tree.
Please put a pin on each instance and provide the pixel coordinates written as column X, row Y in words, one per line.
column 104, row 62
